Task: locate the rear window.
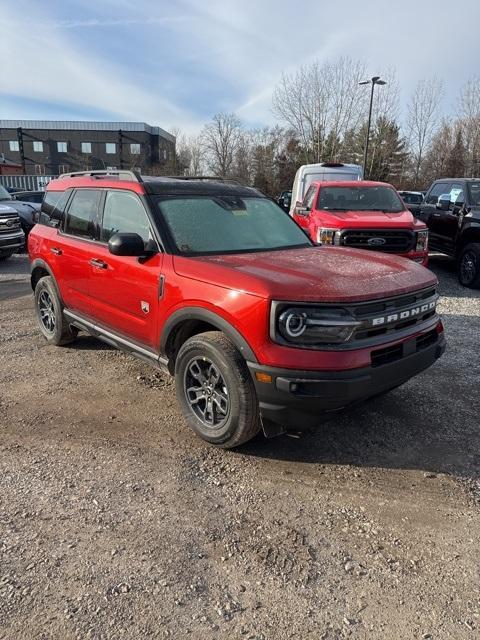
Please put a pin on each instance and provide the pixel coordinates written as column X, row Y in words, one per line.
column 412, row 198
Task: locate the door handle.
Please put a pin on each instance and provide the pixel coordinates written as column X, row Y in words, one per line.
column 56, row 251
column 100, row 264
column 437, row 215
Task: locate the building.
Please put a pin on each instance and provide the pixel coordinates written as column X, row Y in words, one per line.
column 9, row 168
column 46, row 147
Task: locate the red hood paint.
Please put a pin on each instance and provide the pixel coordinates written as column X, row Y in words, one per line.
column 326, row 274
column 364, row 219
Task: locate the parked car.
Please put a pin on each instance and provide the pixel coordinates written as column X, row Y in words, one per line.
column 30, row 196
column 27, row 211
column 215, row 284
column 309, row 173
column 364, row 215
column 451, row 210
column 413, row 200
column 12, row 238
column 285, row 200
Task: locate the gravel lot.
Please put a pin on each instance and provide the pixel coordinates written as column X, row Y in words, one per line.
column 117, row 522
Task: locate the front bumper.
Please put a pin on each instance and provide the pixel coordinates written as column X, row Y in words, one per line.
column 300, row 399
column 11, row 241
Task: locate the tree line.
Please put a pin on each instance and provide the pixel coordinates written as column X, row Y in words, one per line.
column 322, row 117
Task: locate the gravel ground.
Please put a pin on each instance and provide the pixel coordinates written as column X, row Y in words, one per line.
column 117, row 522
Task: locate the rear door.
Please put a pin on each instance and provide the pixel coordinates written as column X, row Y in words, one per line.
column 125, row 290
column 71, row 249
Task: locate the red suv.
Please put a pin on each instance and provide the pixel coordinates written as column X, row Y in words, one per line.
column 216, row 284
column 364, row 215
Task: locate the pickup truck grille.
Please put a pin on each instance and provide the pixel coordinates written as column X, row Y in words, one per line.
column 9, row 222
column 390, row 241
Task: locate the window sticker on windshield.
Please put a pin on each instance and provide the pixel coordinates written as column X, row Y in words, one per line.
column 454, row 193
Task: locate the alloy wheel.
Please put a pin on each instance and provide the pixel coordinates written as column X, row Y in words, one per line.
column 468, row 267
column 206, row 392
column 47, row 311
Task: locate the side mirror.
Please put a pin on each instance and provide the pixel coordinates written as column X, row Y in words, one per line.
column 301, row 210
column 126, row 244
column 443, row 202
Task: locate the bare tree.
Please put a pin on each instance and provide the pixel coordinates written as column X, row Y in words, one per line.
column 469, row 115
column 320, row 103
column 221, row 138
column 422, row 120
column 190, row 153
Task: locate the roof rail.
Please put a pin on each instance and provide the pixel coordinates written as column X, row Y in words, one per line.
column 121, row 174
column 215, row 178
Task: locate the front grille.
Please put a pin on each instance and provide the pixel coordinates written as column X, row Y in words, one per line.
column 397, row 351
column 9, row 222
column 390, row 241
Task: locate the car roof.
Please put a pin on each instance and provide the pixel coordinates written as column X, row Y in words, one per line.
column 155, row 185
column 458, row 180
column 351, row 183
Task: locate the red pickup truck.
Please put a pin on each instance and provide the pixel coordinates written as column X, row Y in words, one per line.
column 363, row 215
column 215, row 284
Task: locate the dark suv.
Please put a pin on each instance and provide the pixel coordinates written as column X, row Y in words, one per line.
column 451, row 210
column 217, row 285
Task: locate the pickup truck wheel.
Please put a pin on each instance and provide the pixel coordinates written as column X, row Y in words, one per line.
column 49, row 313
column 469, row 266
column 215, row 390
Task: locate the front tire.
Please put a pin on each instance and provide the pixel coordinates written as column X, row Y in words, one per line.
column 469, row 266
column 215, row 391
column 49, row 312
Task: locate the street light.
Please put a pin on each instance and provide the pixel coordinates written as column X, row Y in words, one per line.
column 375, row 80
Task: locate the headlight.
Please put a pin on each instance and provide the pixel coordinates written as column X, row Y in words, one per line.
column 422, row 240
column 328, row 236
column 309, row 326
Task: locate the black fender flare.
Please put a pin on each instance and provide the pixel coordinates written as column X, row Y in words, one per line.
column 39, row 263
column 199, row 313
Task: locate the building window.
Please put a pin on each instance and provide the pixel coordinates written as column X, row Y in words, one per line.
column 38, row 146
column 86, row 147
column 63, row 168
column 164, row 154
column 14, row 145
column 62, row 147
column 135, row 149
column 40, row 169
column 110, row 147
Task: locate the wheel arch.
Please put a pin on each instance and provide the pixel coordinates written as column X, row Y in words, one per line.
column 469, row 235
column 38, row 269
column 190, row 321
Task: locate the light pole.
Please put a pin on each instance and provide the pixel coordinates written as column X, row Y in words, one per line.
column 375, row 80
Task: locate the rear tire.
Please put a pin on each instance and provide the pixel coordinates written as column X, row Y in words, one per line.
column 49, row 312
column 469, row 266
column 215, row 390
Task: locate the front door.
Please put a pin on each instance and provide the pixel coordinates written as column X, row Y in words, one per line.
column 125, row 290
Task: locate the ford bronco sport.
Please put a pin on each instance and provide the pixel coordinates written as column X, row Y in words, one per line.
column 363, row 215
column 216, row 284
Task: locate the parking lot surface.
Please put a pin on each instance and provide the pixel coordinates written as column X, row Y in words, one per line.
column 117, row 522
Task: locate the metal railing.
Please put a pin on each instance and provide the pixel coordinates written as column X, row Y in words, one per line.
column 26, row 183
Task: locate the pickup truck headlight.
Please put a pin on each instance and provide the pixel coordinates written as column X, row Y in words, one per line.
column 328, row 236
column 422, row 240
column 310, row 326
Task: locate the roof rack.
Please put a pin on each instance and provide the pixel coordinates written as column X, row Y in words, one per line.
column 121, row 174
column 214, row 178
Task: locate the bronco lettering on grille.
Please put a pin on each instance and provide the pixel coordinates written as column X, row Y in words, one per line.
column 403, row 315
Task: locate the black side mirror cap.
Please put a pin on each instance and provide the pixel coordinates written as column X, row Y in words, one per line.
column 126, row 244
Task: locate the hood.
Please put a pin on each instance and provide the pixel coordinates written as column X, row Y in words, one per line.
column 328, row 274
column 4, row 209
column 369, row 219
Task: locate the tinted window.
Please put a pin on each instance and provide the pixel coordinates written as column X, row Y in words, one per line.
column 82, row 212
column 437, row 190
column 53, row 206
column 412, row 198
column 474, row 188
column 359, row 199
column 229, row 224
column 124, row 212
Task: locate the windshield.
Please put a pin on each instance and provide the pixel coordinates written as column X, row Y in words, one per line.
column 474, row 188
column 412, row 198
column 229, row 224
column 359, row 199
column 4, row 195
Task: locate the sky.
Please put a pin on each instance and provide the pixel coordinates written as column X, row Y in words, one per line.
column 176, row 63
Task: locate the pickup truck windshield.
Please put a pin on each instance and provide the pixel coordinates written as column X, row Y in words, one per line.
column 4, row 195
column 359, row 199
column 229, row 224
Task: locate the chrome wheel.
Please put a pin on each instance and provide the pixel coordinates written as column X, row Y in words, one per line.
column 468, row 267
column 206, row 392
column 46, row 311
